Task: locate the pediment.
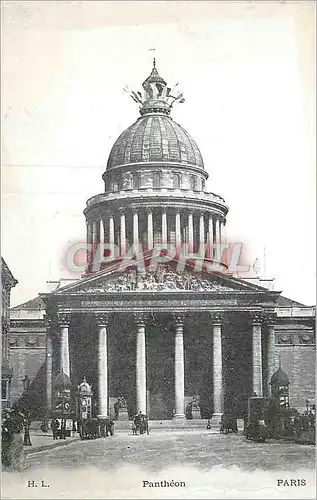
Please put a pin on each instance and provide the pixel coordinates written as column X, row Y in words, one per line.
column 165, row 278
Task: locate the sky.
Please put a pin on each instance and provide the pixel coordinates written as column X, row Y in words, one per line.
column 247, row 73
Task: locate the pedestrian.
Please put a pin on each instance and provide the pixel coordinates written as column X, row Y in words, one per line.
column 63, row 429
column 55, row 427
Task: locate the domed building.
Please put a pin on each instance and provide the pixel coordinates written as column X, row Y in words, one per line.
column 158, row 318
column 155, row 184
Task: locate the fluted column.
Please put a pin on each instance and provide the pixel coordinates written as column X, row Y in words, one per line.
column 104, row 225
column 164, row 227
column 102, row 322
column 98, row 226
column 122, row 234
column 257, row 381
column 223, row 231
column 190, row 233
column 218, row 240
column 64, row 321
column 49, row 367
column 201, row 235
column 270, row 351
column 210, row 250
column 89, row 241
column 140, row 364
column 178, row 236
column 217, row 367
column 94, row 234
column 111, row 230
column 135, row 228
column 150, row 229
column 179, row 369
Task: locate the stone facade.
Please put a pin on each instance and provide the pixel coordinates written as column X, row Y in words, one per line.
column 27, row 348
column 160, row 337
column 7, row 283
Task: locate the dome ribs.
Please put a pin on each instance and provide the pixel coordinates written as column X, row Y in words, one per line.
column 174, row 150
column 187, row 153
column 165, row 141
column 146, row 140
column 137, row 142
column 155, row 138
column 128, row 145
column 156, row 153
column 196, row 153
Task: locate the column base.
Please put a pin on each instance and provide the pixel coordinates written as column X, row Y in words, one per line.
column 196, row 414
column 216, row 417
column 179, row 416
column 123, row 414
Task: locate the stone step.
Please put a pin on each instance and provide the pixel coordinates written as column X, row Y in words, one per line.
column 170, row 424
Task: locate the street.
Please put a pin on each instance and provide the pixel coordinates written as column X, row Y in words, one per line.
column 127, row 466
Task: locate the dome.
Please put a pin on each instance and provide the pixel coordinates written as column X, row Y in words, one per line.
column 279, row 378
column 155, row 138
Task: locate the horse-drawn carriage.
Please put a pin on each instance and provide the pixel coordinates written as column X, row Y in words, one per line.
column 92, row 428
column 228, row 423
column 255, row 427
column 140, row 424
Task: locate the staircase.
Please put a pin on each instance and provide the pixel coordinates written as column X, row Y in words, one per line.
column 170, row 424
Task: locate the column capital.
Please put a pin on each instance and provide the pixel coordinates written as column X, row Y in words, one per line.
column 63, row 319
column 149, row 210
column 270, row 319
column 179, row 318
column 102, row 319
column 217, row 318
column 47, row 320
column 140, row 318
column 135, row 210
column 256, row 318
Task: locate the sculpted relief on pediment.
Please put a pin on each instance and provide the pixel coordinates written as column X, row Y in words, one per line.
column 166, row 279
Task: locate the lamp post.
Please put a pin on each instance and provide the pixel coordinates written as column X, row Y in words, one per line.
column 26, row 421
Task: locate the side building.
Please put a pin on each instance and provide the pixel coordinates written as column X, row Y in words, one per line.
column 27, row 354
column 8, row 281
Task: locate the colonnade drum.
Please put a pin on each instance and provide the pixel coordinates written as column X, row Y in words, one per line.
column 200, row 233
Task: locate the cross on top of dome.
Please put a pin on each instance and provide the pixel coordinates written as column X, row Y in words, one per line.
column 156, row 96
column 154, row 77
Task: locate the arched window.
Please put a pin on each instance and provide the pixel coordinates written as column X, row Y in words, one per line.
column 193, row 182
column 203, row 184
column 114, row 186
column 176, row 181
column 136, row 181
column 156, row 180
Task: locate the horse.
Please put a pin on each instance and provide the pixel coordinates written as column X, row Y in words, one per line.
column 227, row 423
column 90, row 428
column 140, row 425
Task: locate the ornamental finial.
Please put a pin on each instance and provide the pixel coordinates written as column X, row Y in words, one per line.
column 156, row 96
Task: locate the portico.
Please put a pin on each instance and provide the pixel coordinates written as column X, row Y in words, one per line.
column 159, row 348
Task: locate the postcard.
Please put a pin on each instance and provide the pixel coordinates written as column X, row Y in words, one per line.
column 158, row 229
